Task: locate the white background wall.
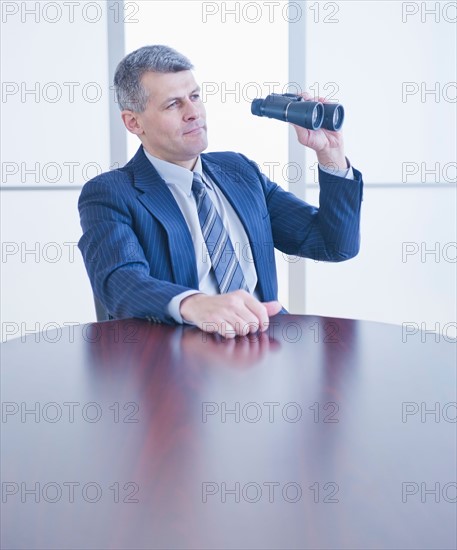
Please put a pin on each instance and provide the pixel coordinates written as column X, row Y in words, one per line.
column 365, row 51
column 64, row 138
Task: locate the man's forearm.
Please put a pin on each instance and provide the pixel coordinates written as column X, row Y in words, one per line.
column 332, row 159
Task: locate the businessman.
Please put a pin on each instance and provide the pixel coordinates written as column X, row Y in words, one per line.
column 179, row 236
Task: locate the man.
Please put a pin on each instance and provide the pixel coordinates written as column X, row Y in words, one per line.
column 165, row 237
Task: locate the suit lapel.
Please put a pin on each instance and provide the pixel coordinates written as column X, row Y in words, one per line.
column 159, row 200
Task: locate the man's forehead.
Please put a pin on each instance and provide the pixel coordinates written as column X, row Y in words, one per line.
column 166, row 84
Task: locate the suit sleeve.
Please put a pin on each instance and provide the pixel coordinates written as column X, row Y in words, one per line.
column 328, row 233
column 114, row 259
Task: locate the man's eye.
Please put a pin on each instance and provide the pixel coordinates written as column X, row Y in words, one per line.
column 195, row 96
column 172, row 105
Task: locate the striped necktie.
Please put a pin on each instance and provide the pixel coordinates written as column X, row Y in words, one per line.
column 228, row 271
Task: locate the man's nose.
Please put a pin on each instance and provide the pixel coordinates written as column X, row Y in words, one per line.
column 191, row 111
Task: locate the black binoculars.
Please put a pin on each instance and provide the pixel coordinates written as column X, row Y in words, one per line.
column 294, row 108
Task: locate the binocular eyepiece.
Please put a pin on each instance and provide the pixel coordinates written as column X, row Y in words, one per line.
column 294, row 108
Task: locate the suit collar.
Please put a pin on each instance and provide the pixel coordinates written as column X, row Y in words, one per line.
column 173, row 174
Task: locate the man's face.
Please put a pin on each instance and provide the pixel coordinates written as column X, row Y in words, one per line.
column 173, row 125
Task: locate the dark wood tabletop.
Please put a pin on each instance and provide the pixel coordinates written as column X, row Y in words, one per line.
column 321, row 433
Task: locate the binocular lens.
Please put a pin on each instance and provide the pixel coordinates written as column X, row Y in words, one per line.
column 308, row 114
column 333, row 116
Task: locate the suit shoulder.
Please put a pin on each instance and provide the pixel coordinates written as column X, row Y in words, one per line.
column 117, row 180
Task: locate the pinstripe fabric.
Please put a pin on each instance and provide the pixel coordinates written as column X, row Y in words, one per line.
column 227, row 270
column 138, row 250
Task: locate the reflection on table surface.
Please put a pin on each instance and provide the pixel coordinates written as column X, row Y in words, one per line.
column 314, row 434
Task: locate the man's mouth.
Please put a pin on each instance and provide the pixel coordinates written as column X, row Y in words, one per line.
column 195, row 130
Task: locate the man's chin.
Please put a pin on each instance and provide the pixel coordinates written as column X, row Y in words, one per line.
column 191, row 153
column 204, row 146
column 200, row 147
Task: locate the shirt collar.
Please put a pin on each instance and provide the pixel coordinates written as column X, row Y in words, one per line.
column 173, row 174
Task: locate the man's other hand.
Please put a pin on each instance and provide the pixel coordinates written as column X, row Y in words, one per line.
column 231, row 314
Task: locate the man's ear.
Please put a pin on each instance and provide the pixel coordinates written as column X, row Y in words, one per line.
column 132, row 123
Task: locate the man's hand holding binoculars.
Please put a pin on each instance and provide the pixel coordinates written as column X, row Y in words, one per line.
column 328, row 144
column 316, row 121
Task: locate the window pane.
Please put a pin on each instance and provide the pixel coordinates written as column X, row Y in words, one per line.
column 393, row 66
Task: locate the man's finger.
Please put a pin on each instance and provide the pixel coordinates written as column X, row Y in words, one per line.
column 306, row 95
column 259, row 310
column 272, row 307
column 243, row 323
column 227, row 330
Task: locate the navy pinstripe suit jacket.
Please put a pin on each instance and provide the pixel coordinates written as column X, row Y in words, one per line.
column 138, row 250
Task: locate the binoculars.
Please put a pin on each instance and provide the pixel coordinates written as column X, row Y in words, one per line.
column 294, row 108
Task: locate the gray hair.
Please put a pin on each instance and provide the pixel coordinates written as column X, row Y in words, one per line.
column 130, row 93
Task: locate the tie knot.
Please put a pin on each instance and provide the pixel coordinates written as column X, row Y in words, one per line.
column 197, row 184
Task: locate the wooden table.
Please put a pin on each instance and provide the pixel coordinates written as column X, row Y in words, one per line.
column 322, row 433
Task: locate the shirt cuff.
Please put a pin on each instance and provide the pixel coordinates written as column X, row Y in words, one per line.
column 175, row 303
column 348, row 173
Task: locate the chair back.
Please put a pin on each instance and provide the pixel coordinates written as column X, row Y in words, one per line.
column 100, row 311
